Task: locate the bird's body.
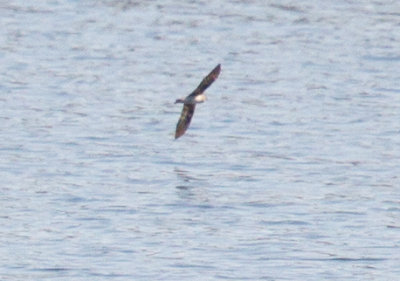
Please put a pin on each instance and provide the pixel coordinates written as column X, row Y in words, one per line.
column 189, row 103
column 192, row 99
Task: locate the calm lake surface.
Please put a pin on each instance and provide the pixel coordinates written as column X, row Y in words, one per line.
column 290, row 170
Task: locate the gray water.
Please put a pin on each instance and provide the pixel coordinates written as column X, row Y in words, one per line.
column 290, row 170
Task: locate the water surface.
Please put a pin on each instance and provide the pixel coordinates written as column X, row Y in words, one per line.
column 288, row 172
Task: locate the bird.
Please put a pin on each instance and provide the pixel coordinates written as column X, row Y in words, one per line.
column 189, row 103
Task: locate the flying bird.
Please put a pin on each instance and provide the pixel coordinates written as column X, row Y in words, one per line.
column 189, row 103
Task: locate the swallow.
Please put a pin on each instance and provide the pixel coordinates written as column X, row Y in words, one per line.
column 189, row 103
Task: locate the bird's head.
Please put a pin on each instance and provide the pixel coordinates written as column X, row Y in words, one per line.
column 179, row 101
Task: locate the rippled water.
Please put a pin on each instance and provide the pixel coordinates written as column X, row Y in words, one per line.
column 290, row 170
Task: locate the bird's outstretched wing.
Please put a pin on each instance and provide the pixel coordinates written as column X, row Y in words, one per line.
column 207, row 81
column 184, row 120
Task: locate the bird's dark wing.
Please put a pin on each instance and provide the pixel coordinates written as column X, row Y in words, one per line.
column 207, row 81
column 184, row 120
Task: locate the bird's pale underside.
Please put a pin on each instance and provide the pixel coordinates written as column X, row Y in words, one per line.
column 189, row 103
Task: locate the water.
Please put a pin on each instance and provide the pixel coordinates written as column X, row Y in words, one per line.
column 290, row 170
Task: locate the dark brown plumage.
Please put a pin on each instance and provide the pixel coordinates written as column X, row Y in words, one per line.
column 184, row 120
column 189, row 103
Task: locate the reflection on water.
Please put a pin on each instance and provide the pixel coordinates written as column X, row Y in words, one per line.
column 183, row 176
column 191, row 188
column 185, row 181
